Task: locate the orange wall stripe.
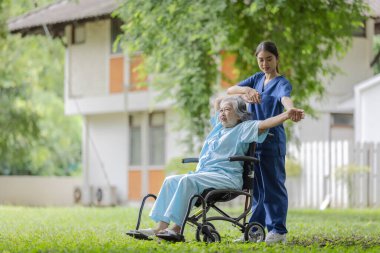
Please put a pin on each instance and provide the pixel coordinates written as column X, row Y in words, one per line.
column 136, row 77
column 228, row 69
column 134, row 185
column 116, row 74
column 156, row 178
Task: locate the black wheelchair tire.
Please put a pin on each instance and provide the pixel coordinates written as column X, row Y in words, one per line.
column 259, row 232
column 215, row 234
column 199, row 233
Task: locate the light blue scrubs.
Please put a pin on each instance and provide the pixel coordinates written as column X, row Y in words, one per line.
column 213, row 170
column 270, row 205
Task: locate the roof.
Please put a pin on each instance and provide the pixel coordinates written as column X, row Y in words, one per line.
column 368, row 83
column 56, row 15
column 375, row 8
column 60, row 13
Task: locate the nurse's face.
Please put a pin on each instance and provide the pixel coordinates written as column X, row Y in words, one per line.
column 267, row 62
column 227, row 115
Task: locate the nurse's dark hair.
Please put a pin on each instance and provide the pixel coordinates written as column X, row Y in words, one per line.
column 270, row 47
column 239, row 106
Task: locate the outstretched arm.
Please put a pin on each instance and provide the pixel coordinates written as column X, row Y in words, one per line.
column 287, row 102
column 279, row 119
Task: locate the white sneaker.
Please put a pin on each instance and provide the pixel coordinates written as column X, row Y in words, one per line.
column 274, row 237
column 240, row 239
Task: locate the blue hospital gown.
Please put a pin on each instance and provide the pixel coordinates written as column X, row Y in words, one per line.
column 213, row 170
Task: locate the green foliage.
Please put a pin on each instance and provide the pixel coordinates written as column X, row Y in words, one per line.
column 176, row 167
column 347, row 173
column 103, row 230
column 36, row 138
column 292, row 167
column 376, row 50
column 182, row 41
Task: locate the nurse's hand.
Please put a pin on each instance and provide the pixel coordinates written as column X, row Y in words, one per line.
column 251, row 96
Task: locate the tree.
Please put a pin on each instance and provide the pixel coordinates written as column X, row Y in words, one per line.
column 182, row 41
column 35, row 136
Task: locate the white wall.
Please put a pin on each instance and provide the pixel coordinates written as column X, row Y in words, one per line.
column 367, row 116
column 88, row 62
column 38, row 191
column 105, row 152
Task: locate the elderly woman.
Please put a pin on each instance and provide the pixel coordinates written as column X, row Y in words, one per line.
column 231, row 135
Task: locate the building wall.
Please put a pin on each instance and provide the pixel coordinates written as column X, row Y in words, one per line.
column 88, row 61
column 367, row 108
column 106, row 138
column 38, row 191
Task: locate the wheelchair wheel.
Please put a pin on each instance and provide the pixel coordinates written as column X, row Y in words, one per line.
column 199, row 233
column 254, row 232
column 215, row 234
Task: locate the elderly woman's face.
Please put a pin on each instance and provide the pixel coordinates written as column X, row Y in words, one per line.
column 227, row 115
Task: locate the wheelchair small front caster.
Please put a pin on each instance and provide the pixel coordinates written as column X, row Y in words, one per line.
column 254, row 232
column 199, row 233
column 215, row 235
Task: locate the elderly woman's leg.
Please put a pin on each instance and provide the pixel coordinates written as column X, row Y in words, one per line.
column 190, row 185
column 163, row 200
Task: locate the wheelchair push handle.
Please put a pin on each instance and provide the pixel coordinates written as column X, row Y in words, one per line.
column 243, row 159
column 190, row 160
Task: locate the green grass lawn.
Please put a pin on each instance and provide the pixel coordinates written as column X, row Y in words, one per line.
column 81, row 229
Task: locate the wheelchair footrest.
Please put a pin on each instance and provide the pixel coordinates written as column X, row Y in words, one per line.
column 138, row 235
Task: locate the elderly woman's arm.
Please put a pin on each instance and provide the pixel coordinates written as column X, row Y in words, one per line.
column 217, row 103
column 279, row 119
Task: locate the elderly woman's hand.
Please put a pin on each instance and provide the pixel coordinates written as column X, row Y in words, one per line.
column 251, row 96
column 296, row 114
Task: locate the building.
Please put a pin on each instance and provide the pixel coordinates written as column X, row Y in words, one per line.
column 127, row 137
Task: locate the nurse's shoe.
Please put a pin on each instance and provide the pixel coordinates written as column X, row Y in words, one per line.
column 240, row 239
column 274, row 237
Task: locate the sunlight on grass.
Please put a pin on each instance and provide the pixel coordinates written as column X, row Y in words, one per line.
column 80, row 229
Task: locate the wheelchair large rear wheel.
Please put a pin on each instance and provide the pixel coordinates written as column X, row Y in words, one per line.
column 254, row 232
column 199, row 233
column 215, row 234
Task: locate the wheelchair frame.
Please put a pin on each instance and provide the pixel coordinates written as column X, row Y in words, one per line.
column 205, row 228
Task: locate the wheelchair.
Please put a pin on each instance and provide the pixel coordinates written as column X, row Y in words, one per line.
column 205, row 230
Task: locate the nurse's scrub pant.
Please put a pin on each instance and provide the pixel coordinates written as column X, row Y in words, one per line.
column 176, row 191
column 270, row 198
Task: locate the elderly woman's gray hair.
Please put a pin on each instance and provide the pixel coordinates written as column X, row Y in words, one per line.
column 239, row 106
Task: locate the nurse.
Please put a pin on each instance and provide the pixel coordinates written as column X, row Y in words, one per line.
column 231, row 135
column 268, row 93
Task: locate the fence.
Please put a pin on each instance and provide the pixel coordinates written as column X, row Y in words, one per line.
column 336, row 174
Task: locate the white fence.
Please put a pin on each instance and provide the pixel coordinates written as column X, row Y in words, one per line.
column 336, row 174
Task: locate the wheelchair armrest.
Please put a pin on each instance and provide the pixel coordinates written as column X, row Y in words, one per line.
column 243, row 159
column 190, row 160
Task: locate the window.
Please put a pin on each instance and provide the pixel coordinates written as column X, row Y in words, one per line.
column 342, row 120
column 135, row 140
column 157, row 139
column 78, row 35
column 360, row 31
column 115, row 32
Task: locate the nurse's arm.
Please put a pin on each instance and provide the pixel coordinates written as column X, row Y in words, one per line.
column 279, row 119
column 287, row 102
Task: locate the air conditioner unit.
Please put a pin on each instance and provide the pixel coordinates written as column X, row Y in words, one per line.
column 82, row 195
column 104, row 195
